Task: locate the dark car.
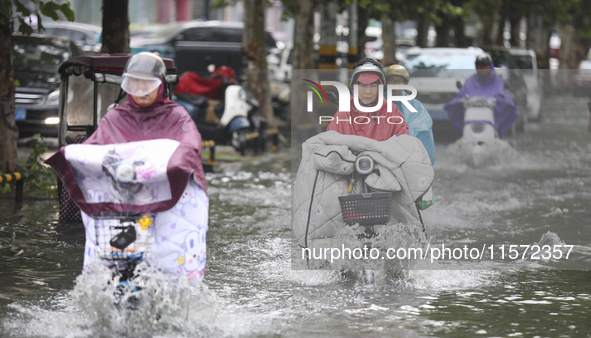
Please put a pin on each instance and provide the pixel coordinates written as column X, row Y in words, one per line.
column 86, row 36
column 195, row 45
column 37, row 59
column 509, row 70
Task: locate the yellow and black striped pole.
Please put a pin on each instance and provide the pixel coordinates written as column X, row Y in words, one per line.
column 327, row 57
column 352, row 56
column 19, row 179
column 211, row 145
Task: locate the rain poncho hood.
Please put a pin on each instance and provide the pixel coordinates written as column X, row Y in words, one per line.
column 378, row 129
column 492, row 86
column 126, row 123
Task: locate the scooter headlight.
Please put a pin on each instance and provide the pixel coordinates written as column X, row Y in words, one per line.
column 364, row 165
column 125, row 171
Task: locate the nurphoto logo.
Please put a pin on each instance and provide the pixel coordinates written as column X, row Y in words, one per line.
column 345, row 100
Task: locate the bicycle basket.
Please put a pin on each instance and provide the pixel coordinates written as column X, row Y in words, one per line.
column 366, row 209
column 120, row 238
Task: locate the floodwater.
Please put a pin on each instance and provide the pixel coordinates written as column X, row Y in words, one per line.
column 540, row 197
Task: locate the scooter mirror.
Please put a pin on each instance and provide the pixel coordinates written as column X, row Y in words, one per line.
column 364, row 165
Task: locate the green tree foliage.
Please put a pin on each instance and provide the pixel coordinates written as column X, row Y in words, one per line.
column 8, row 16
column 14, row 12
column 39, row 179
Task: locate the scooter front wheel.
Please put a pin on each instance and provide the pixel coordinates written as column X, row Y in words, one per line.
column 239, row 141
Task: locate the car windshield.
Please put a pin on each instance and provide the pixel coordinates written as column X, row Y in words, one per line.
column 499, row 59
column 523, row 61
column 439, row 64
column 39, row 55
column 164, row 32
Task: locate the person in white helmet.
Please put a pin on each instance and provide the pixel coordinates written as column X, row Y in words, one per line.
column 181, row 224
column 366, row 76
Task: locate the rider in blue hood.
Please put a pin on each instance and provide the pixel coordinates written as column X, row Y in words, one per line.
column 485, row 83
column 419, row 123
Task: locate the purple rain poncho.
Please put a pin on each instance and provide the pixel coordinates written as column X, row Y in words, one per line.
column 492, row 86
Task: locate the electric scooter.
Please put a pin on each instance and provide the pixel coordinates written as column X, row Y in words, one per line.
column 223, row 110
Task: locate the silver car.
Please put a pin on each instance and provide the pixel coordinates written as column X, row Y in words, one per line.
column 435, row 73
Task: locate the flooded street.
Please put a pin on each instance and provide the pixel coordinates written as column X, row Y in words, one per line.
column 543, row 196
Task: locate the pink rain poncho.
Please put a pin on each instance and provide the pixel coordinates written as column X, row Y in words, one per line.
column 379, row 125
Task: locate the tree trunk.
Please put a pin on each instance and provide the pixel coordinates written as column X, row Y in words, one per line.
column 254, row 44
column 303, row 58
column 362, row 22
column 459, row 36
column 115, row 35
column 327, row 52
column 569, row 52
column 568, row 56
column 537, row 38
column 303, row 34
column 422, row 39
column 515, row 22
column 389, row 38
column 8, row 129
column 442, row 31
column 485, row 37
column 353, row 38
column 499, row 39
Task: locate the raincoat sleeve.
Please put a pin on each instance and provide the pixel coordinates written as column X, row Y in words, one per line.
column 420, row 125
column 455, row 108
column 505, row 112
column 333, row 125
column 402, row 128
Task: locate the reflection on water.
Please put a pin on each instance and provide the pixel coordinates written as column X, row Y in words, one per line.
column 252, row 289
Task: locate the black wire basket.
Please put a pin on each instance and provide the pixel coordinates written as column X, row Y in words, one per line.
column 367, row 208
column 123, row 238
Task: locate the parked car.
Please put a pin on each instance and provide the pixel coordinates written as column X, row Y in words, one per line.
column 526, row 61
column 86, row 36
column 507, row 68
column 36, row 62
column 195, row 45
column 582, row 79
column 402, row 46
column 143, row 31
column 434, row 74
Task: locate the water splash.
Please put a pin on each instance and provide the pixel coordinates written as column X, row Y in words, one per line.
column 164, row 304
column 492, row 153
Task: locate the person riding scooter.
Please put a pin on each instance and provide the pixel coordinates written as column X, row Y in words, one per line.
column 419, row 123
column 485, row 83
column 366, row 77
column 144, row 159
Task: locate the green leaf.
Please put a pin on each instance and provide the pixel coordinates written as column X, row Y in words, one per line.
column 22, row 8
column 68, row 12
column 49, row 9
column 24, row 27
